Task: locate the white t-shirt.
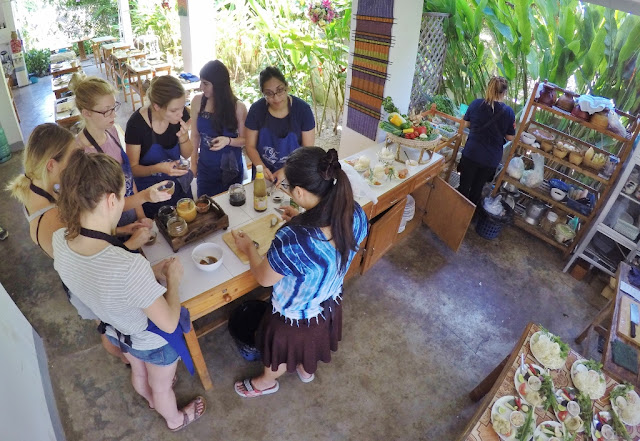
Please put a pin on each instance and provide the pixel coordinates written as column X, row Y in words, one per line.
column 115, row 284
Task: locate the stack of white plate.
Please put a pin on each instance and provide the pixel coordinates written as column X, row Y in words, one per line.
column 409, row 212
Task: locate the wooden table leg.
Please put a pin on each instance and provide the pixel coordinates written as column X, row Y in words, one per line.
column 486, row 384
column 198, row 359
column 602, row 316
column 81, row 51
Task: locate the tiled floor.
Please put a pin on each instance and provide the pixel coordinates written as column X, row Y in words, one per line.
column 421, row 329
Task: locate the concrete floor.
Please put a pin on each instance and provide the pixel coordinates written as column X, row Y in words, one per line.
column 420, row 331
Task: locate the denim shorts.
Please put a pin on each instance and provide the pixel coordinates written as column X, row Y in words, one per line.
column 162, row 356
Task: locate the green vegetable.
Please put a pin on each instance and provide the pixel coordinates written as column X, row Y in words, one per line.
column 388, row 106
column 444, row 104
column 586, row 412
column 620, row 391
column 388, row 127
column 618, row 426
column 406, row 125
column 564, row 348
column 550, row 398
column 590, row 364
column 523, row 431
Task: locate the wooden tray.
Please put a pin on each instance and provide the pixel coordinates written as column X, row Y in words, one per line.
column 203, row 225
column 260, row 230
column 624, row 321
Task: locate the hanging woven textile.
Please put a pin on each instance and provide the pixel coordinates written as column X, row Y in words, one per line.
column 372, row 41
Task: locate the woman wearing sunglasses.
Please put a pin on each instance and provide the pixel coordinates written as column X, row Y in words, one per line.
column 96, row 101
column 276, row 125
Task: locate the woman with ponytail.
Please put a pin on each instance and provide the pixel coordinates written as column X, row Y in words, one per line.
column 306, row 265
column 490, row 123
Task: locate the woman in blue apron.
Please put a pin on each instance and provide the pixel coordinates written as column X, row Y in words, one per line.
column 138, row 314
column 95, row 99
column 220, row 132
column 276, row 125
column 157, row 136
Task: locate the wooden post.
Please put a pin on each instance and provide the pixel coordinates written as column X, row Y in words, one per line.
column 198, row 358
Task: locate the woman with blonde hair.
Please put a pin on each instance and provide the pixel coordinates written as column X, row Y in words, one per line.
column 157, row 136
column 490, row 122
column 131, row 301
column 95, row 99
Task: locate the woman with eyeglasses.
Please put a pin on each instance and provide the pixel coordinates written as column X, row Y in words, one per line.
column 306, row 265
column 95, row 99
column 157, row 136
column 217, row 159
column 277, row 125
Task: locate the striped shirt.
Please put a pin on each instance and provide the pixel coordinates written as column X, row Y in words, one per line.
column 310, row 266
column 115, row 284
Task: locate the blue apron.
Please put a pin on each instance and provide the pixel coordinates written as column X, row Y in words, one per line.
column 216, row 170
column 175, row 339
column 156, row 154
column 274, row 150
column 129, row 216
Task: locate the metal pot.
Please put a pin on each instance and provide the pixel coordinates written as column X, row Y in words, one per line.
column 534, row 212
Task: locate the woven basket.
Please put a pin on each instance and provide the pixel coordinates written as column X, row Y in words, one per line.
column 413, row 143
column 588, row 163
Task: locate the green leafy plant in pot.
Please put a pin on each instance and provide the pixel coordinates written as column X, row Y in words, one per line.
column 38, row 61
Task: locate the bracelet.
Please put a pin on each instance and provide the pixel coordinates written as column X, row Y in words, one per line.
column 229, row 143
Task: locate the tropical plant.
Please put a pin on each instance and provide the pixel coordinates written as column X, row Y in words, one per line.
column 160, row 20
column 585, row 47
column 38, row 61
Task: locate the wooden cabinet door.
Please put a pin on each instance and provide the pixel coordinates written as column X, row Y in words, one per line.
column 448, row 213
column 382, row 234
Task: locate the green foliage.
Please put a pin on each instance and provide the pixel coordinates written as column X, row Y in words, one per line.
column 38, row 61
column 582, row 46
column 154, row 19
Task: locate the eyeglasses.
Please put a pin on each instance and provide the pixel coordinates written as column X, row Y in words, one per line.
column 280, row 91
column 109, row 112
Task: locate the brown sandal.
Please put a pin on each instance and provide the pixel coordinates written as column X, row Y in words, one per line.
column 199, row 399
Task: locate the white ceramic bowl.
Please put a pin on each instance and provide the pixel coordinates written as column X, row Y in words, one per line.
column 205, row 250
column 558, row 194
column 527, row 138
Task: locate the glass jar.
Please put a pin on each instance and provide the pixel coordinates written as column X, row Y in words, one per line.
column 237, row 195
column 186, row 209
column 177, row 226
column 548, row 223
column 165, row 213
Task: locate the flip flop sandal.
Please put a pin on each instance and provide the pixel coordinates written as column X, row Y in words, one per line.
column 199, row 399
column 305, row 380
column 252, row 392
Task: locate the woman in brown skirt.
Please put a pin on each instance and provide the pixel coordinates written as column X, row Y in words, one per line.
column 306, row 265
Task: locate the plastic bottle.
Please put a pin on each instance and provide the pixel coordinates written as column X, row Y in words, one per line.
column 259, row 191
column 5, row 151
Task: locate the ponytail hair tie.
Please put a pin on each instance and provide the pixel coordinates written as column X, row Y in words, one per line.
column 329, row 165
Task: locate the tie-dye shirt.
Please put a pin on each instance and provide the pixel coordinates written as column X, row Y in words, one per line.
column 310, row 266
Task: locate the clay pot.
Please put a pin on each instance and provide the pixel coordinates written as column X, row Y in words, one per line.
column 580, row 114
column 600, row 119
column 565, row 102
column 547, row 95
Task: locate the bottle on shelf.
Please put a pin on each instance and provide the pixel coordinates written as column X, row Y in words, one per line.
column 259, row 190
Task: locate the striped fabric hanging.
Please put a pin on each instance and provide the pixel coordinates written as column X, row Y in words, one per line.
column 372, row 41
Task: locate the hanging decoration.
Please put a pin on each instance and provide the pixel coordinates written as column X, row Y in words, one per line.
column 373, row 39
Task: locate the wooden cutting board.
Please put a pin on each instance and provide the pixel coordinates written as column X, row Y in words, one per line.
column 259, row 230
column 624, row 320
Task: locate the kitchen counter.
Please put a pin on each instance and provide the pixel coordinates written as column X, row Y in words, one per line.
column 203, row 292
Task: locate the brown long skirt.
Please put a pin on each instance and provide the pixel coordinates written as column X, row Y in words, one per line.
column 305, row 342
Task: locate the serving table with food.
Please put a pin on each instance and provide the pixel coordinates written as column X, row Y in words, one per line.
column 546, row 391
column 119, row 60
column 203, row 292
column 65, row 67
column 66, row 113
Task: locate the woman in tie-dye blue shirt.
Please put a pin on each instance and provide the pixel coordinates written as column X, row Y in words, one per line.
column 306, row 265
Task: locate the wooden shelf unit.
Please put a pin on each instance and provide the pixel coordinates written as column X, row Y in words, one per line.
column 602, row 186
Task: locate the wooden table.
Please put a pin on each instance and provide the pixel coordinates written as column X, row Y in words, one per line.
column 60, row 85
column 136, row 76
column 82, row 54
column 95, row 46
column 59, row 69
column 66, row 118
column 500, row 383
column 204, row 292
column 118, row 63
column 106, row 50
